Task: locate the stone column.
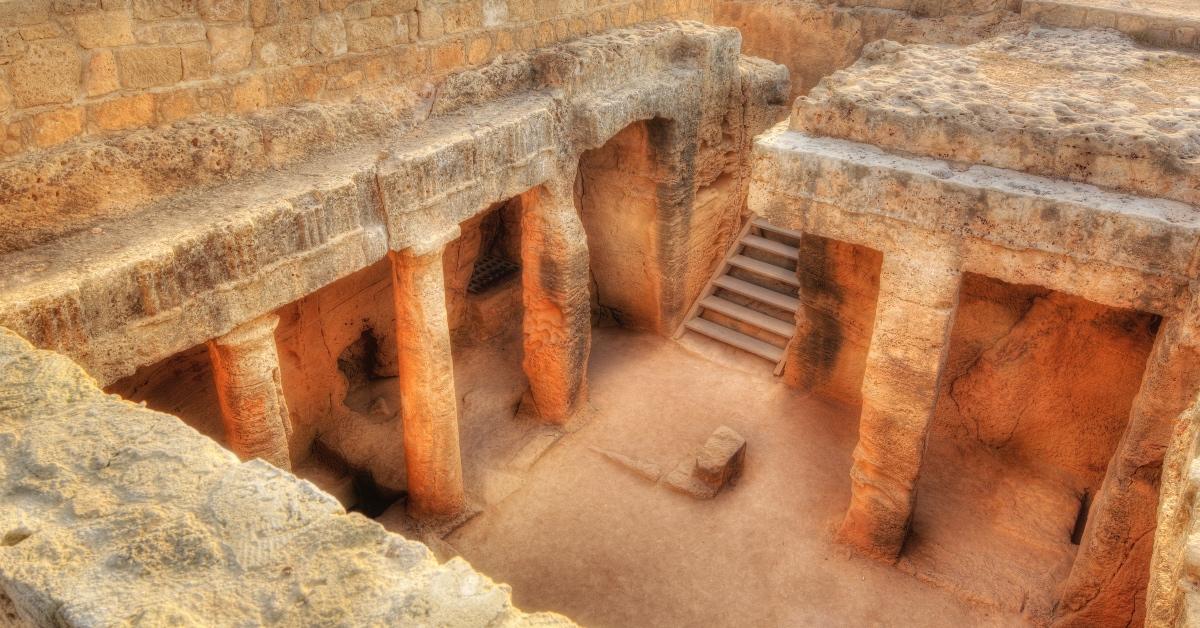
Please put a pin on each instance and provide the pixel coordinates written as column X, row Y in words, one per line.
column 249, row 390
column 918, row 296
column 555, row 284
column 1114, row 554
column 428, row 402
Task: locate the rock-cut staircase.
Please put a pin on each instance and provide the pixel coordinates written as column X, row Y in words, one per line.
column 750, row 303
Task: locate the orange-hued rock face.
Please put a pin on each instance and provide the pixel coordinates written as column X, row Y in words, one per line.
column 838, row 293
column 1044, row 377
column 618, row 196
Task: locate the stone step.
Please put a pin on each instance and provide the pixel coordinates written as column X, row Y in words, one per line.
column 758, row 293
column 1083, row 105
column 771, row 246
column 769, row 271
column 735, row 339
column 749, row 316
column 762, row 224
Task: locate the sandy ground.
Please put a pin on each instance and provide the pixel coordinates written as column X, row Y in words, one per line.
column 578, row 534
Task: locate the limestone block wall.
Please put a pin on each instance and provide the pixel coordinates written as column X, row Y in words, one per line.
column 1162, row 23
column 84, row 67
column 117, row 514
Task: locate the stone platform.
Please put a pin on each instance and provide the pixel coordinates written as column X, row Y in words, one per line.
column 117, row 515
column 1088, row 106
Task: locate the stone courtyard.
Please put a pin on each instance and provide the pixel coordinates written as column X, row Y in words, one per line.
column 630, row 313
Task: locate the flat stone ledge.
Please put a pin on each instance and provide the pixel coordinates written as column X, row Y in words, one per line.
column 1118, row 249
column 118, row 515
column 1089, row 106
column 1163, row 23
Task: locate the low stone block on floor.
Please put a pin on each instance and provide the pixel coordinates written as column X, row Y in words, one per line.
column 712, row 467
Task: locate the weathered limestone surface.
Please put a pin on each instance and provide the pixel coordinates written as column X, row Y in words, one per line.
column 86, row 69
column 428, row 402
column 1116, row 249
column 918, row 295
column 1164, row 23
column 250, row 392
column 557, row 324
column 815, row 38
column 119, row 515
column 1088, row 106
column 1173, row 598
column 931, row 8
column 1114, row 554
column 160, row 278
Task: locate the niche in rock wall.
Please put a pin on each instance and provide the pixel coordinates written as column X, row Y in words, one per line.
column 1034, row 398
column 617, row 194
column 366, row 374
column 483, row 275
column 1043, row 377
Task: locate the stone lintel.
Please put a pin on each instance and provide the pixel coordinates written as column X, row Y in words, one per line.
column 1117, row 249
column 212, row 541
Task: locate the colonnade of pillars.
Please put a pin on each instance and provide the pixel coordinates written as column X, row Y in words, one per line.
column 557, row 339
column 918, row 298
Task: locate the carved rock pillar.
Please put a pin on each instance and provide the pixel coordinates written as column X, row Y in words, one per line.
column 246, row 372
column 557, row 324
column 1114, row 554
column 428, row 402
column 918, row 296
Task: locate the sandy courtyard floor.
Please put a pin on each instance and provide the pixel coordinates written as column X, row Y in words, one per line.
column 588, row 538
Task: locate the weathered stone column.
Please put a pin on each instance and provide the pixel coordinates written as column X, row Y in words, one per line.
column 557, row 324
column 918, row 296
column 428, row 403
column 1114, row 553
column 249, row 390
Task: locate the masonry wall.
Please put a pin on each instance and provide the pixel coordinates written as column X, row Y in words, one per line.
column 71, row 68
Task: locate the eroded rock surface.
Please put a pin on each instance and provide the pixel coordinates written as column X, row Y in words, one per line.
column 1087, row 106
column 117, row 515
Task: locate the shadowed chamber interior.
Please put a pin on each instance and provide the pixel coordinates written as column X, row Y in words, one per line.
column 617, row 195
column 1035, row 396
